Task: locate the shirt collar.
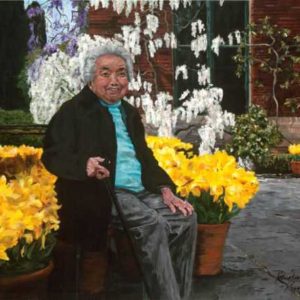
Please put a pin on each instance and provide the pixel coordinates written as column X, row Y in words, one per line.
column 108, row 105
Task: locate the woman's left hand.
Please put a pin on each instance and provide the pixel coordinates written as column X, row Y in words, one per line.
column 173, row 202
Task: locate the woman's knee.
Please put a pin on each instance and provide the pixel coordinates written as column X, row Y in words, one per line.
column 190, row 221
column 193, row 218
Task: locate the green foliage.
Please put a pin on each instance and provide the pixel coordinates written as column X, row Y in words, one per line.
column 253, row 136
column 26, row 258
column 18, row 117
column 211, row 212
column 22, row 78
column 293, row 104
column 13, row 117
column 18, row 140
column 275, row 163
column 294, row 157
column 274, row 51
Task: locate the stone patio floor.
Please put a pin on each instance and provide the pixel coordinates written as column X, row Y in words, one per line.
column 262, row 254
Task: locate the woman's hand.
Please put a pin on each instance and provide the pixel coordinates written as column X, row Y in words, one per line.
column 95, row 169
column 173, row 202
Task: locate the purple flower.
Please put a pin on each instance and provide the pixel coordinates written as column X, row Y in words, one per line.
column 81, row 19
column 72, row 47
column 32, row 41
column 49, row 49
column 56, row 25
column 56, row 4
column 34, row 11
column 76, row 3
column 33, row 71
column 65, row 37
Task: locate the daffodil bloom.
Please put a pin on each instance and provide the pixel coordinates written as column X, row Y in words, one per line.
column 218, row 174
column 28, row 204
column 294, row 149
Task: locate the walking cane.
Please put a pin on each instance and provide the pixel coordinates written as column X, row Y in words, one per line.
column 77, row 270
column 114, row 200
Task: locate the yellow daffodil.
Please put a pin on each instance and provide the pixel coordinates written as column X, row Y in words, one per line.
column 217, row 174
column 3, row 254
column 28, row 204
column 294, row 149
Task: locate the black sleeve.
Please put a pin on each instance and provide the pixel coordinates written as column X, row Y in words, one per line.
column 60, row 156
column 153, row 174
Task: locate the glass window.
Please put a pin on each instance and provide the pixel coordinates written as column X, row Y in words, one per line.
column 219, row 20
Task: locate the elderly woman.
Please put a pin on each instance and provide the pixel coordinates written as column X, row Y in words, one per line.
column 98, row 138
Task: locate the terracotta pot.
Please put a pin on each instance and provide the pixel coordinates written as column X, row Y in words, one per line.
column 209, row 250
column 295, row 167
column 26, row 286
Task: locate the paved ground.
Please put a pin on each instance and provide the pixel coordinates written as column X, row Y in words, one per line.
column 262, row 255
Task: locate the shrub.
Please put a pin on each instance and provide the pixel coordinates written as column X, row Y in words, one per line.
column 18, row 117
column 253, row 136
column 275, row 163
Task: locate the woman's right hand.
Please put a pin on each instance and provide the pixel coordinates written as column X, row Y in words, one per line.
column 95, row 169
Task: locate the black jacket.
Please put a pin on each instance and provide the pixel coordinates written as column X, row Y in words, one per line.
column 82, row 128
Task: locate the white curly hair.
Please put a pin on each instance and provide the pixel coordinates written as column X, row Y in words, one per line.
column 108, row 48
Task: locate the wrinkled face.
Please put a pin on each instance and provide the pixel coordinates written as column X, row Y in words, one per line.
column 110, row 81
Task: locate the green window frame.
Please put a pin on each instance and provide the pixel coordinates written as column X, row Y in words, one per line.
column 211, row 12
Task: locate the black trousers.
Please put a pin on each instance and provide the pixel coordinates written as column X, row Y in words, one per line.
column 164, row 243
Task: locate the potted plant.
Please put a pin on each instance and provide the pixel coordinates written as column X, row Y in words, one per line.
column 28, row 218
column 294, row 151
column 253, row 136
column 218, row 189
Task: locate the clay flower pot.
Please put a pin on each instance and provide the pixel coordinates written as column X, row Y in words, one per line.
column 295, row 166
column 25, row 286
column 209, row 250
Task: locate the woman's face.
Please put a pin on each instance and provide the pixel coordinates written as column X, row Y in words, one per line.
column 110, row 81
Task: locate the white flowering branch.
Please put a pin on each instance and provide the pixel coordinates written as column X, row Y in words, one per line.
column 61, row 76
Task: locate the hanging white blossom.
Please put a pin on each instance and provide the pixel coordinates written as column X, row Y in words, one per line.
column 136, row 83
column 129, row 5
column 230, row 39
column 151, row 48
column 158, row 43
column 119, row 5
column 147, row 86
column 160, row 114
column 199, row 44
column 197, row 27
column 152, row 22
column 60, row 76
column 95, row 3
column 184, row 95
column 167, row 40
column 186, row 3
column 246, row 163
column 48, row 95
column 208, row 136
column 174, row 4
column 216, row 42
column 238, row 36
column 173, row 43
column 181, row 70
column 131, row 39
column 170, row 40
column 203, row 76
column 137, row 19
column 222, row 2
